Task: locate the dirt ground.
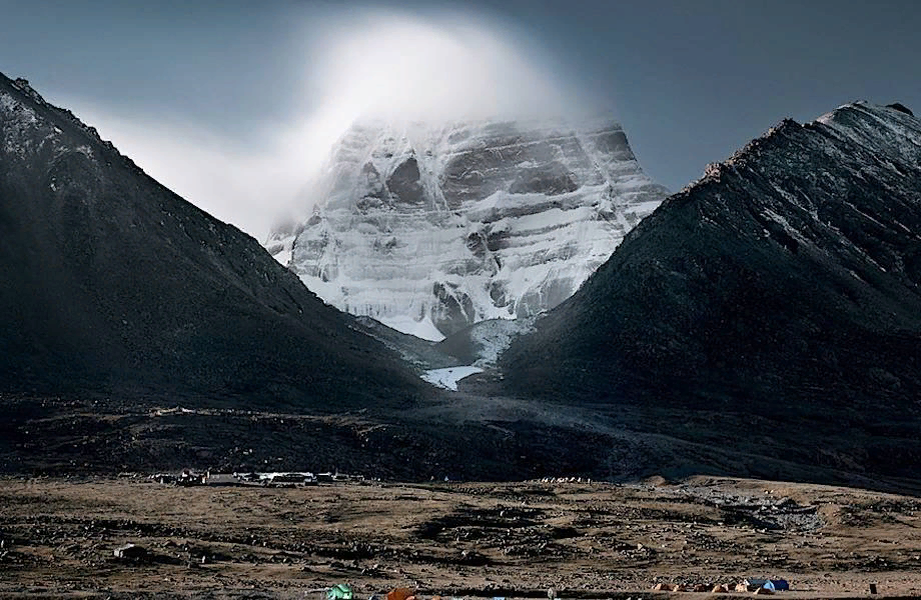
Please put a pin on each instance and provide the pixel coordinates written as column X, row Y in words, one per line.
column 583, row 540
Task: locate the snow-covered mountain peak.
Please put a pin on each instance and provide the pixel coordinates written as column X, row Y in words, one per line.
column 432, row 227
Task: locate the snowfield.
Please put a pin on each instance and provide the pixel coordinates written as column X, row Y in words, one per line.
column 448, row 378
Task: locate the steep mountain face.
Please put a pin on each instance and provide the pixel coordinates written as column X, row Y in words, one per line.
column 430, row 229
column 113, row 283
column 772, row 308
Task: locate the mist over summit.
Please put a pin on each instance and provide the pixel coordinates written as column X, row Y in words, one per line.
column 342, row 67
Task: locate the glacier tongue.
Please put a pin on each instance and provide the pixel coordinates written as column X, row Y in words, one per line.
column 430, row 229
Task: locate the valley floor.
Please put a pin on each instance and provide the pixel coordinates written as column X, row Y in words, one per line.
column 584, row 540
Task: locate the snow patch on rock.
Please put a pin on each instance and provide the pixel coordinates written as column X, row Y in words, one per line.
column 448, row 378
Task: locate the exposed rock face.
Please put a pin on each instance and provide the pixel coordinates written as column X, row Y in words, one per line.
column 902, row 108
column 112, row 283
column 430, row 229
column 773, row 307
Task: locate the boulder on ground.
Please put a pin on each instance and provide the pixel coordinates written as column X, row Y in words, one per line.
column 130, row 552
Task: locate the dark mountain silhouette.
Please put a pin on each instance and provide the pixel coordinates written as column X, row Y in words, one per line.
column 114, row 284
column 771, row 309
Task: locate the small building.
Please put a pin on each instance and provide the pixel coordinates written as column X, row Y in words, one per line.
column 289, row 479
column 189, row 477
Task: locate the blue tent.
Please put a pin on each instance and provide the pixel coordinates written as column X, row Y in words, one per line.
column 775, row 585
column 780, row 585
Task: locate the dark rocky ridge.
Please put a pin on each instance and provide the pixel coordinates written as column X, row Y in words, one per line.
column 772, row 308
column 114, row 284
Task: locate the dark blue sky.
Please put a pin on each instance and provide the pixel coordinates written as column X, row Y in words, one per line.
column 694, row 80
column 691, row 80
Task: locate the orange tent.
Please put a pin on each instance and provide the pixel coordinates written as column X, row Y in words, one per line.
column 400, row 594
